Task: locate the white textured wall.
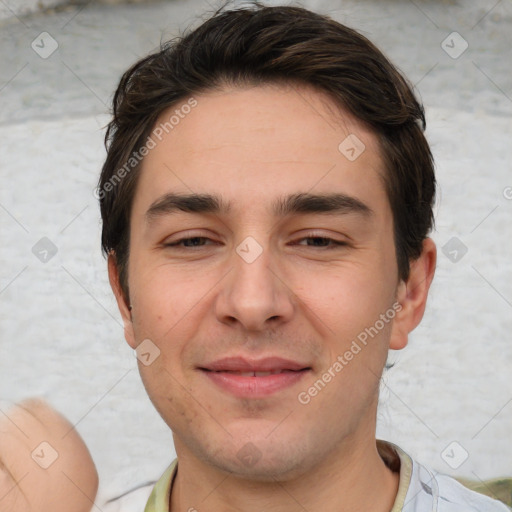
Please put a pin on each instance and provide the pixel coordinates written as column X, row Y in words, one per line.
column 14, row 8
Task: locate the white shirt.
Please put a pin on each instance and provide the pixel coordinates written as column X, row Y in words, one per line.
column 419, row 490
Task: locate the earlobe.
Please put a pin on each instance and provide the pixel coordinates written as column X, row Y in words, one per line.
column 122, row 301
column 412, row 295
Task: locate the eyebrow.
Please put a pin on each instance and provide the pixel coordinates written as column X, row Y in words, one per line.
column 301, row 203
column 189, row 203
column 320, row 203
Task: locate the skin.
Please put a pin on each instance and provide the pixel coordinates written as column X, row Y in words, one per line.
column 59, row 476
column 297, row 300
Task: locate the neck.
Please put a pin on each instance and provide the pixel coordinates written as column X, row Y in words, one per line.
column 353, row 479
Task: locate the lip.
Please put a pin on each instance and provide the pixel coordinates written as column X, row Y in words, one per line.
column 242, row 364
column 232, row 374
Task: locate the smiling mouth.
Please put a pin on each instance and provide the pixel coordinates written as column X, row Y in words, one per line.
column 255, row 373
column 254, row 381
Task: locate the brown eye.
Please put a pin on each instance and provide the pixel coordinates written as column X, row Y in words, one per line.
column 321, row 242
column 196, row 241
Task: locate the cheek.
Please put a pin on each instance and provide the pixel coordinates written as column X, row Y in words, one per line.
column 345, row 299
column 170, row 306
column 164, row 297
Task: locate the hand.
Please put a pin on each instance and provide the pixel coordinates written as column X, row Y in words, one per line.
column 44, row 464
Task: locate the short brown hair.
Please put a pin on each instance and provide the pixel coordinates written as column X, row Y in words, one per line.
column 258, row 45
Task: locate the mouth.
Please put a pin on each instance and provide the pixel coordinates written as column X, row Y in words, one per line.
column 246, row 378
column 254, row 373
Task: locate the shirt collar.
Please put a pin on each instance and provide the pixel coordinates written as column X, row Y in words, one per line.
column 394, row 457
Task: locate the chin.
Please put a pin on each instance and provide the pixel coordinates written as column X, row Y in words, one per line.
column 258, row 458
column 264, row 470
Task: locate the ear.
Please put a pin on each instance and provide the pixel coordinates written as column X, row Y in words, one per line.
column 412, row 295
column 122, row 301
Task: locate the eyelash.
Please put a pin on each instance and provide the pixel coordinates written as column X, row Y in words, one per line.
column 334, row 243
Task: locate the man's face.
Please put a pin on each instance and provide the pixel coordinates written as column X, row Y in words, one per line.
column 255, row 288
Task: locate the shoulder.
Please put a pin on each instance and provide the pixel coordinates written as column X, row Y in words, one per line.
column 455, row 496
column 425, row 490
column 150, row 497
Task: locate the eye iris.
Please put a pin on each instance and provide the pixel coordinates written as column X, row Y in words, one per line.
column 322, row 241
column 193, row 242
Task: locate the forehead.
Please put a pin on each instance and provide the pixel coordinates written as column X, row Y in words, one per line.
column 246, row 143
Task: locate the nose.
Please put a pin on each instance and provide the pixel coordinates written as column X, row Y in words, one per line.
column 254, row 294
